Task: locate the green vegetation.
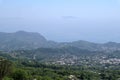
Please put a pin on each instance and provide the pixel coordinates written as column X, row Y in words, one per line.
column 5, row 67
column 33, row 70
column 45, row 64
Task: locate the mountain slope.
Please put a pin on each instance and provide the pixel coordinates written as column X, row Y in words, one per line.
column 21, row 40
column 30, row 40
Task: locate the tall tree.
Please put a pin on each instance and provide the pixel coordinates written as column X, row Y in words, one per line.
column 5, row 67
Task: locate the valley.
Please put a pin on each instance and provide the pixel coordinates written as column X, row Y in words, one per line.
column 35, row 56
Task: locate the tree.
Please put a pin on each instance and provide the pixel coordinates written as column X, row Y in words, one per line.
column 19, row 74
column 5, row 68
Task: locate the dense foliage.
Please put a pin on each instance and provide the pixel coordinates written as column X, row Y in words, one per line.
column 33, row 70
column 20, row 65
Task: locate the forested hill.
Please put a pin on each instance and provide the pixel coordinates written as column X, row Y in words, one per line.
column 21, row 40
column 31, row 40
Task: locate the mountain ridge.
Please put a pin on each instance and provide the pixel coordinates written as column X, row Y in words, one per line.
column 33, row 40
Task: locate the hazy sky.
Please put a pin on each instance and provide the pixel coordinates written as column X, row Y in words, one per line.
column 63, row 20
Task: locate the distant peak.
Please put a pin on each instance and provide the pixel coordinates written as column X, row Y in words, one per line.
column 25, row 32
column 21, row 31
column 111, row 42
